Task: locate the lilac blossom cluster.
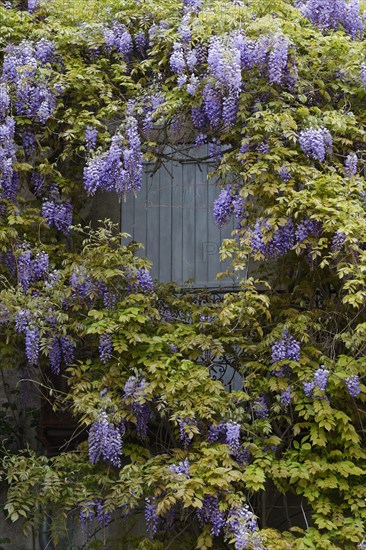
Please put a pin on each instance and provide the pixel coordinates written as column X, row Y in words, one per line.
column 316, row 142
column 151, row 517
column 9, row 179
column 57, row 212
column 229, row 202
column 281, row 242
column 135, row 394
column 286, row 348
column 242, row 524
column 31, row 270
column 117, row 37
column 25, row 324
column 181, row 470
column 120, row 168
column 331, row 14
column 105, row 348
column 61, row 350
column 353, row 385
column 23, row 69
column 210, row 513
column 105, row 441
column 184, row 430
column 320, row 381
column 338, row 241
column 307, row 228
column 94, row 509
column 351, row 164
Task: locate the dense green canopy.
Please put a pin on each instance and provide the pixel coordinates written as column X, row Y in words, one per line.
column 88, row 92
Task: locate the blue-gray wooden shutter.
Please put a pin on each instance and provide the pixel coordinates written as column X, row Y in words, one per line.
column 172, row 217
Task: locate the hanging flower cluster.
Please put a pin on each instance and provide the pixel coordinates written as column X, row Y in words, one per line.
column 229, row 202
column 135, row 394
column 31, row 270
column 120, row 168
column 117, row 37
column 60, row 351
column 331, row 14
column 105, row 441
column 280, row 243
column 316, row 143
column 25, row 69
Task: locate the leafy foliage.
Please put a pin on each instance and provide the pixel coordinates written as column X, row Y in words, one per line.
column 278, row 95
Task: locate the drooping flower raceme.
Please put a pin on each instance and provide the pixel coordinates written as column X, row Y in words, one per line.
column 330, row 14
column 210, row 513
column 135, row 393
column 316, row 142
column 242, row 524
column 351, row 164
column 321, row 378
column 224, row 63
column 120, row 168
column 105, row 441
column 277, row 59
column 117, row 37
column 31, row 270
column 105, row 347
column 353, row 385
column 286, row 348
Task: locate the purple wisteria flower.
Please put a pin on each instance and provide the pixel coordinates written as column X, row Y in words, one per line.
column 353, row 385
column 32, row 345
column 151, row 518
column 321, row 378
column 105, row 441
column 119, row 168
column 277, row 59
column 224, row 63
column 184, row 426
column 316, row 142
column 181, row 469
column 281, row 242
column 9, row 179
column 217, row 433
column 308, row 388
column 91, row 134
column 351, row 164
column 337, row 241
column 57, row 212
column 145, row 282
column 32, row 270
column 307, row 228
column 242, row 524
column 229, row 202
column 23, row 67
column 260, row 407
column 286, row 348
column 135, row 392
column 212, row 105
column 363, row 74
column 331, row 14
column 233, row 436
column 285, row 397
column 210, row 513
column 284, row 173
column 117, row 37
column 105, row 348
